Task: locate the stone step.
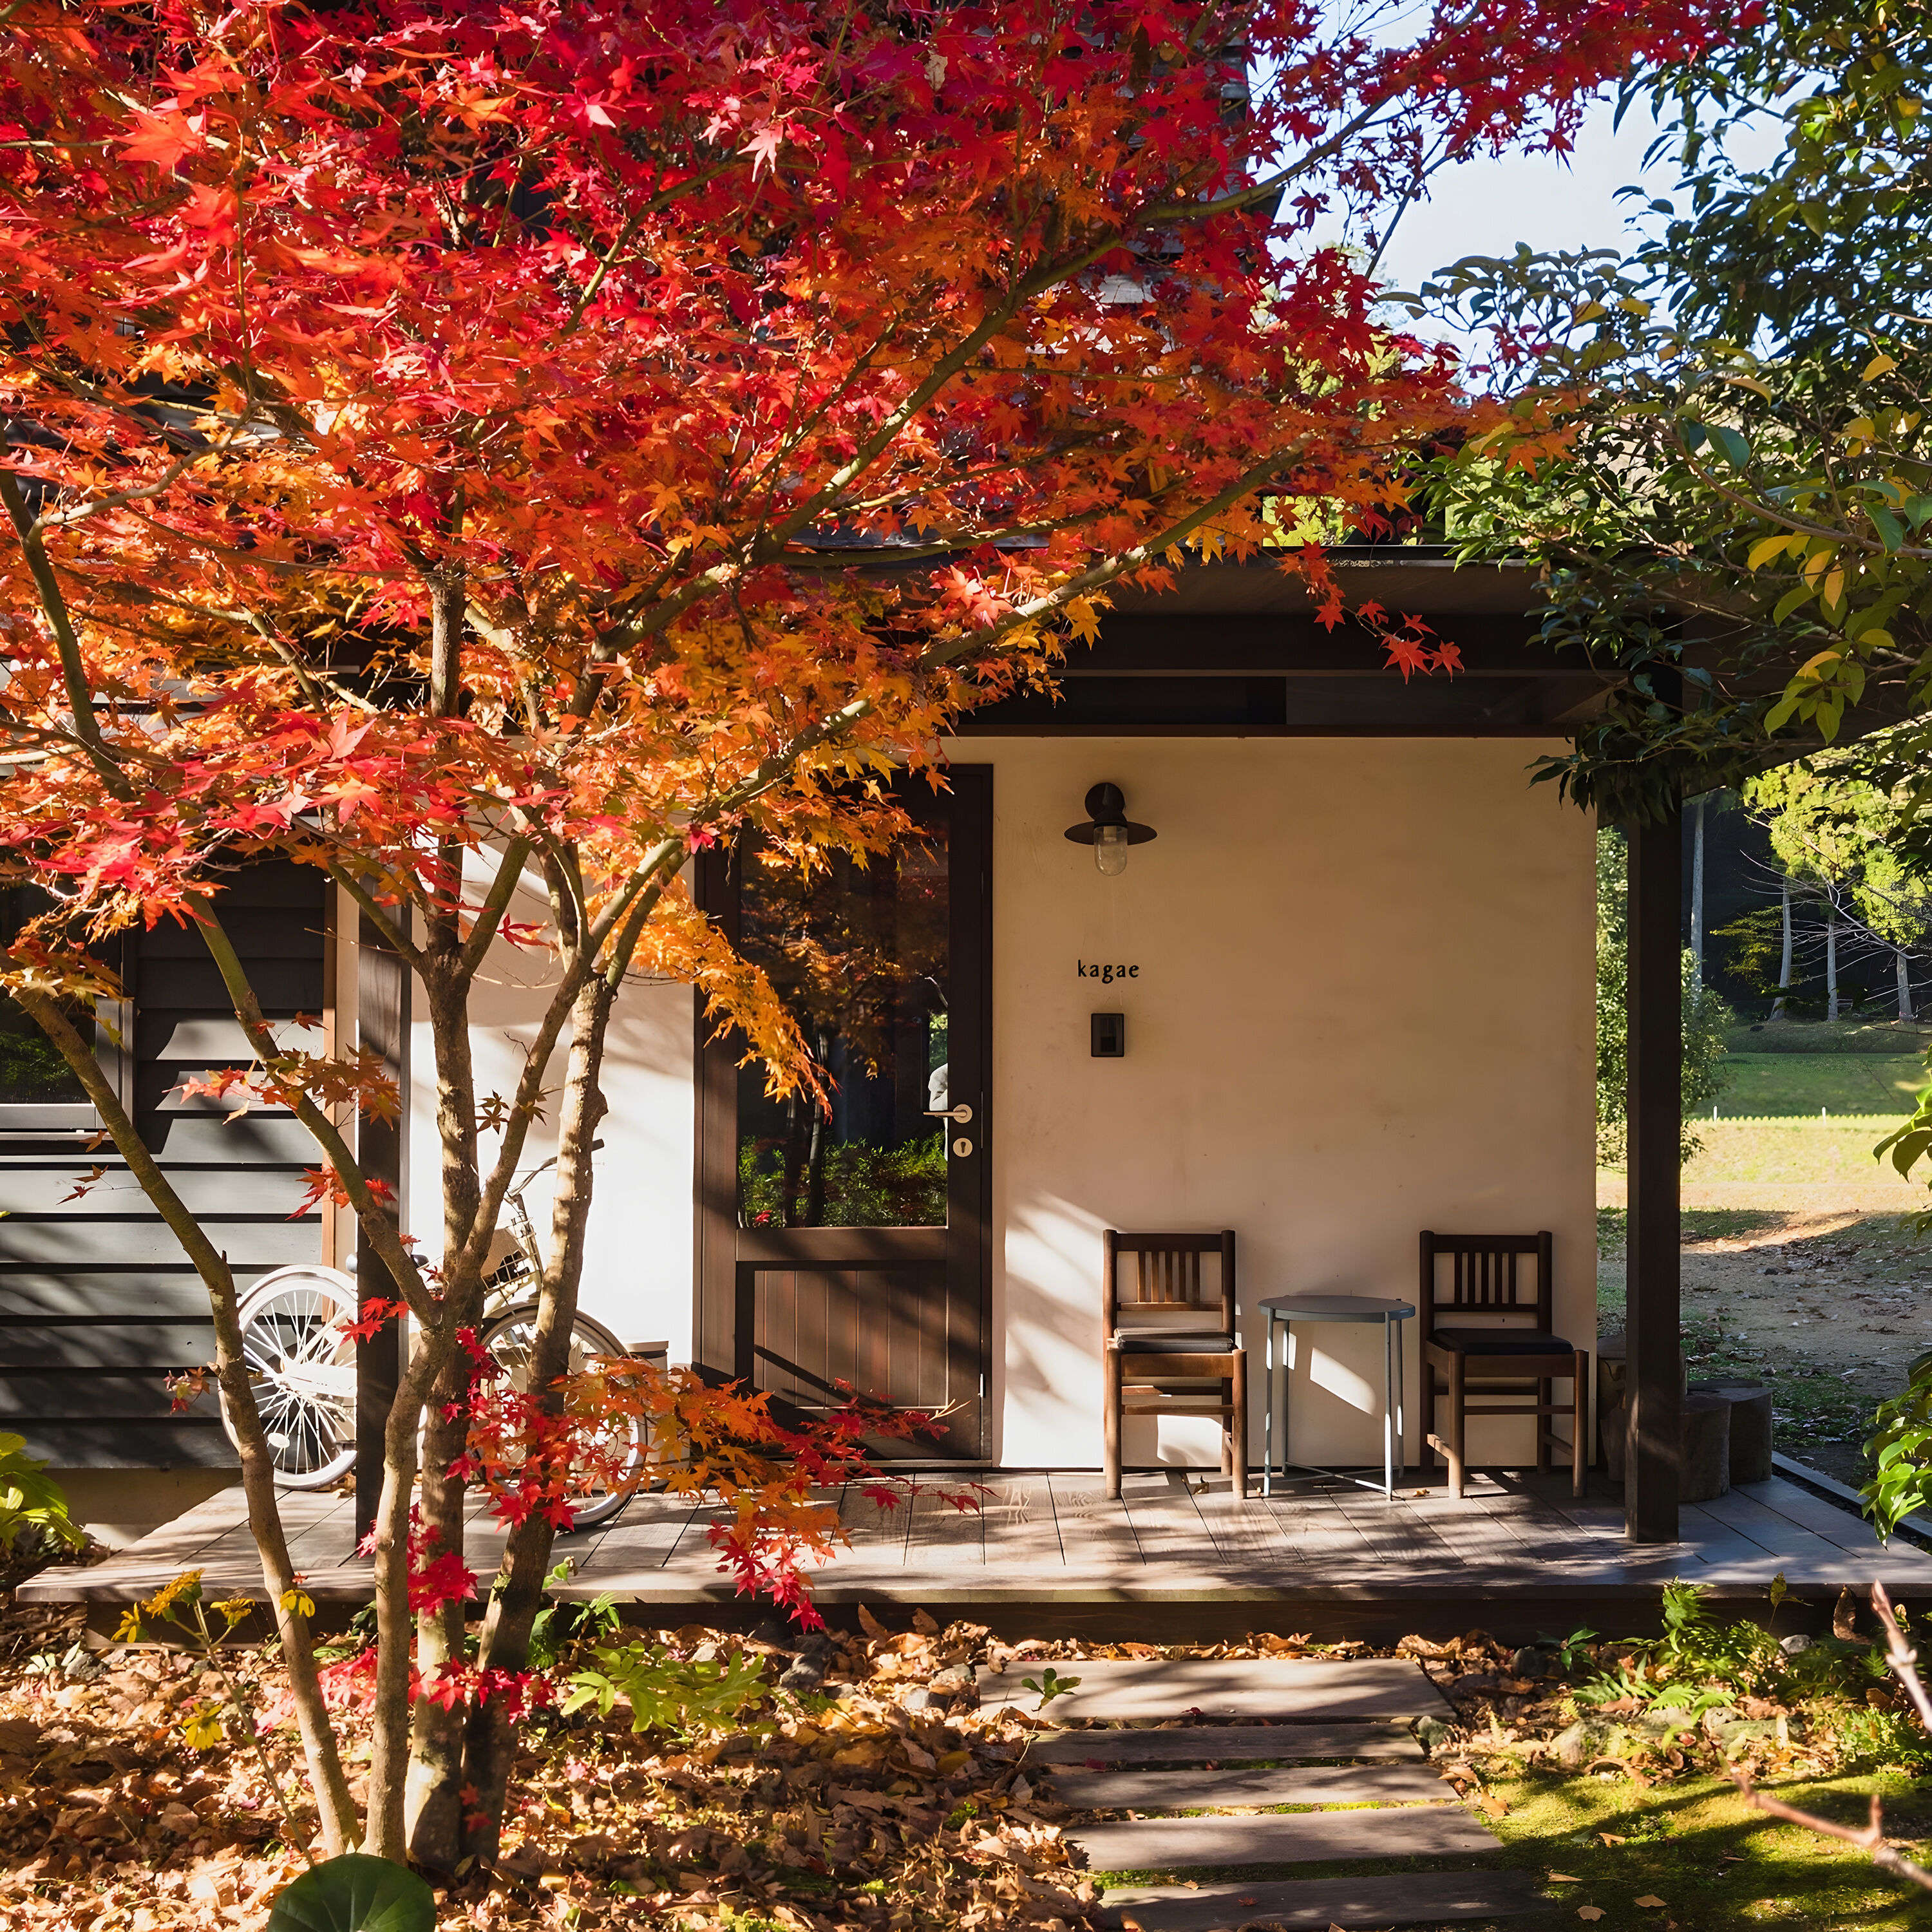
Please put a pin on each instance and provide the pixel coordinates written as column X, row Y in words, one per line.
column 1223, row 1743
column 1299, row 1784
column 1407, row 1898
column 1117, row 1689
column 1172, row 1844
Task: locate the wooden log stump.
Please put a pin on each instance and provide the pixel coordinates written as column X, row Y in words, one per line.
column 1751, row 1426
column 1704, row 1448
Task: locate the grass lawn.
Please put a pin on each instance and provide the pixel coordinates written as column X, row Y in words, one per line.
column 1856, row 1036
column 1717, row 1865
column 1799, row 1084
column 1837, row 1149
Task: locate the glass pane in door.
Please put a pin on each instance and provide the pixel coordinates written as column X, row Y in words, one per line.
column 858, row 953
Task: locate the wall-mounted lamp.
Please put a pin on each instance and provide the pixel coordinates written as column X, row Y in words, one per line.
column 1108, row 829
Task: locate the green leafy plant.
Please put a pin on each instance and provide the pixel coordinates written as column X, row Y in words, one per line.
column 666, row 1693
column 1697, row 1664
column 1049, row 1684
column 558, row 1624
column 1706, row 1018
column 355, row 1893
column 29, row 1502
column 1570, row 1650
column 1900, row 1446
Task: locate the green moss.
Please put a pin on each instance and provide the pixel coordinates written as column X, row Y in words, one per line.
column 1718, row 1865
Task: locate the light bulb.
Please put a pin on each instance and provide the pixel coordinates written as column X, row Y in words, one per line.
column 1110, row 849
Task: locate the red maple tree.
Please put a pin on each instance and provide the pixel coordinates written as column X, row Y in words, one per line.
column 444, row 441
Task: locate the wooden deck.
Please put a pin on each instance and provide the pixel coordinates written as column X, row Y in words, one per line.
column 1048, row 1550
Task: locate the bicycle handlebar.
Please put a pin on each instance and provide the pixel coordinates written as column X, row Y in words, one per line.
column 516, row 1193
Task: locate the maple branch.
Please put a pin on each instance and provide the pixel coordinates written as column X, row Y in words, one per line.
column 337, row 1807
column 1869, row 1839
column 116, row 499
column 53, row 604
column 523, row 1110
column 371, row 1215
column 393, row 934
column 1899, row 1656
column 1105, row 572
column 489, row 914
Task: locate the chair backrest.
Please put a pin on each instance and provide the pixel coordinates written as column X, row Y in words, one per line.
column 1162, row 1274
column 1486, row 1276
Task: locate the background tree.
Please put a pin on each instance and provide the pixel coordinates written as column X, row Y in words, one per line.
column 455, row 446
column 1746, row 397
column 1832, row 826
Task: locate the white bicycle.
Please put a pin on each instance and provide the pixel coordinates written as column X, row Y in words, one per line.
column 301, row 1366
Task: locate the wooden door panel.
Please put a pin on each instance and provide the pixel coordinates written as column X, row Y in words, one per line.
column 893, row 1334
column 815, row 1269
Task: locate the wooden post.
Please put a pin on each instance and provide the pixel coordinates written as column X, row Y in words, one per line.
column 382, row 1020
column 1655, row 1046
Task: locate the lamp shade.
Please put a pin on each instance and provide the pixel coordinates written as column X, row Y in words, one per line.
column 1107, row 805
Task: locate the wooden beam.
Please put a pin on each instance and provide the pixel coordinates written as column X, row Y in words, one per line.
column 383, row 1022
column 1655, row 1047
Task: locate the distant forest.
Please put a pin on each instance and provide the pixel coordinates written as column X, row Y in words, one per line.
column 1742, row 923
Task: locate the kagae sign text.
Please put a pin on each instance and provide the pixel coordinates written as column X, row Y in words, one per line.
column 1107, row 975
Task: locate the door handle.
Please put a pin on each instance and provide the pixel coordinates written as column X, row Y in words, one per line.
column 962, row 1114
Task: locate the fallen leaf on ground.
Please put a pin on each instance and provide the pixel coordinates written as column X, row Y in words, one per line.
column 1650, row 1902
column 1564, row 1878
column 1589, row 1912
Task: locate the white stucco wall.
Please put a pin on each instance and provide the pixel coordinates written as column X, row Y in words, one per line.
column 1363, row 1008
column 637, row 1278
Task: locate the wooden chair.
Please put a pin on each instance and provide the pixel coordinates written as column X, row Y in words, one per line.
column 1165, row 1280
column 1485, row 1277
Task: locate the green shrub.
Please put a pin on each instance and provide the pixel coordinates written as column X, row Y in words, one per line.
column 28, row 1501
column 665, row 1692
column 1706, row 1019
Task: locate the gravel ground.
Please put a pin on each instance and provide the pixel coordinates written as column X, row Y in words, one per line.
column 1830, row 1308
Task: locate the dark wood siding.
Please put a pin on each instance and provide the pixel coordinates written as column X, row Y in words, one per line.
column 98, row 1303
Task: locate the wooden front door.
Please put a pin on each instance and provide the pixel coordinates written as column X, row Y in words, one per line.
column 847, row 1246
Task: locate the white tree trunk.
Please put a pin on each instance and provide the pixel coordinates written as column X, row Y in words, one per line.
column 1832, row 963
column 1777, row 1012
column 1697, row 898
column 1904, row 964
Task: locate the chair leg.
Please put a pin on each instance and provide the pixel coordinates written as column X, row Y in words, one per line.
column 1110, row 1423
column 1544, row 1390
column 1238, row 1437
column 1579, row 1462
column 1431, row 1393
column 1227, row 1433
column 1456, row 1419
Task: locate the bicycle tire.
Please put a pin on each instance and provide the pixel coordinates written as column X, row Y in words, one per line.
column 508, row 1338
column 302, row 1370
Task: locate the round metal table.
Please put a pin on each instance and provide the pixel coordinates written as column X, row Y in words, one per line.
column 1285, row 1310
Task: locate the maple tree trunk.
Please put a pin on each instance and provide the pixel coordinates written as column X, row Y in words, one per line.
column 432, row 1813
column 335, row 1808
column 490, row 1752
column 390, row 1712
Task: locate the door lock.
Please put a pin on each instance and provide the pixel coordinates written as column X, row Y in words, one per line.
column 962, row 1147
column 962, row 1113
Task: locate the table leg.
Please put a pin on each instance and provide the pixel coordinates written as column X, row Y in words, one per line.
column 1401, row 1404
column 1287, row 1372
column 1267, row 1420
column 1388, row 1413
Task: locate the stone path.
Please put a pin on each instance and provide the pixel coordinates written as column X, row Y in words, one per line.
column 1302, row 1715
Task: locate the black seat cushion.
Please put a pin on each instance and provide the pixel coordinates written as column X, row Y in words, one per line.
column 1172, row 1342
column 1500, row 1342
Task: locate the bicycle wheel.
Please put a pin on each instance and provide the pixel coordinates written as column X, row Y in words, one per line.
column 301, row 1369
column 511, row 1338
